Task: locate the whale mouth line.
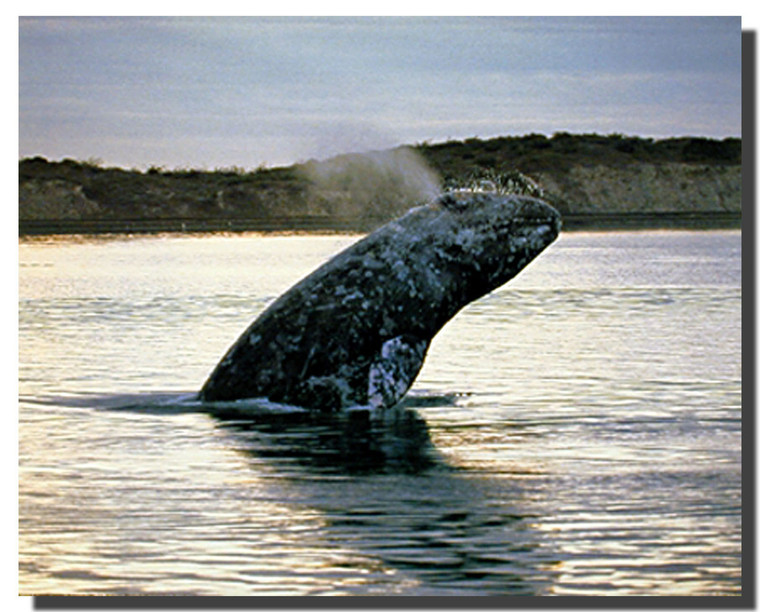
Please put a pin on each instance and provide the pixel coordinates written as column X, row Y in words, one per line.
column 541, row 224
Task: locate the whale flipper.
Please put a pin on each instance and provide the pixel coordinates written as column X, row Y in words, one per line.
column 394, row 370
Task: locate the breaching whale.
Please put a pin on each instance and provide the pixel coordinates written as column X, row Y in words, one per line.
column 356, row 330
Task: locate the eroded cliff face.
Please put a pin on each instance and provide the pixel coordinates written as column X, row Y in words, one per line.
column 645, row 188
column 54, row 199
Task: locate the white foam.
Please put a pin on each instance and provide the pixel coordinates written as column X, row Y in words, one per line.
column 249, row 407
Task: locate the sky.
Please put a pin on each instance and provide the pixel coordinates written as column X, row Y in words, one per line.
column 216, row 92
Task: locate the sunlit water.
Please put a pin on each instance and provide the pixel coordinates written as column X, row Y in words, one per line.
column 576, row 432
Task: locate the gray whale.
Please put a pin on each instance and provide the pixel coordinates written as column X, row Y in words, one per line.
column 356, row 330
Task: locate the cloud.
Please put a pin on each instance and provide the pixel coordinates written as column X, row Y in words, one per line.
column 286, row 89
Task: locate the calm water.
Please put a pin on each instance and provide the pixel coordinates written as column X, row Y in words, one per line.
column 576, row 432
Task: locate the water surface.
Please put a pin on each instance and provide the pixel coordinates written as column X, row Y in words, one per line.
column 576, row 432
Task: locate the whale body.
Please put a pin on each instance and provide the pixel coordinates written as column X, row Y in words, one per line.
column 355, row 332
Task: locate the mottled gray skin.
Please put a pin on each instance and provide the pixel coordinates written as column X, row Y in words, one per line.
column 355, row 332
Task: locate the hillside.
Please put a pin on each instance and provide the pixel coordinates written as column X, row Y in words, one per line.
column 593, row 180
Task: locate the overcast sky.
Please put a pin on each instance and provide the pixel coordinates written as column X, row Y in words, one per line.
column 218, row 92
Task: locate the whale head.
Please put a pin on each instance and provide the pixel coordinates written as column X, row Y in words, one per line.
column 487, row 238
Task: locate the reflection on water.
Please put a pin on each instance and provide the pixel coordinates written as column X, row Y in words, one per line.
column 348, row 444
column 577, row 432
column 409, row 515
column 447, row 532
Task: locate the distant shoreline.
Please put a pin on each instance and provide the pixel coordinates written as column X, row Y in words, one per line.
column 595, row 182
column 577, row 222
